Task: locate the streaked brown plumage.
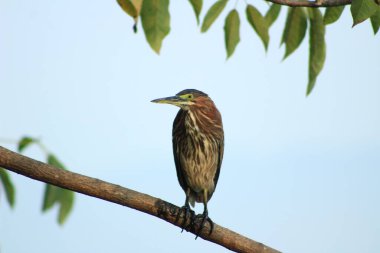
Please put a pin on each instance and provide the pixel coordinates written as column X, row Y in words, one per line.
column 198, row 145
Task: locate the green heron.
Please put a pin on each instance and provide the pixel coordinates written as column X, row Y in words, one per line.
column 198, row 144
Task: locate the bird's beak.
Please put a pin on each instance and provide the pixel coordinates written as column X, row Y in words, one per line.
column 175, row 100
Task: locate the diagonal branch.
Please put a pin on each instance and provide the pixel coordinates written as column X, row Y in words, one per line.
column 114, row 193
column 306, row 3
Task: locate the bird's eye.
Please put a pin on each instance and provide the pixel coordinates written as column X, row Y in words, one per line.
column 187, row 96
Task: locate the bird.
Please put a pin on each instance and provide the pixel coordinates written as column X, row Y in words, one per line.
column 198, row 147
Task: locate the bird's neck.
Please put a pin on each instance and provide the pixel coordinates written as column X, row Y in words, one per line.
column 201, row 121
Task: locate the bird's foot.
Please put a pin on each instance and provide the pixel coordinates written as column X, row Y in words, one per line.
column 187, row 213
column 203, row 217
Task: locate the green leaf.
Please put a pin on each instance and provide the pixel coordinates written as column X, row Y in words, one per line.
column 132, row 8
column 7, row 184
column 155, row 19
column 272, row 14
column 56, row 195
column 66, row 201
column 24, row 143
column 53, row 160
column 197, row 7
column 128, row 7
column 375, row 20
column 212, row 14
column 231, row 32
column 332, row 14
column 52, row 193
column 317, row 50
column 259, row 23
column 362, row 9
column 295, row 29
column 51, row 196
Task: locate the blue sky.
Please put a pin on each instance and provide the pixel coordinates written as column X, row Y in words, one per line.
column 299, row 174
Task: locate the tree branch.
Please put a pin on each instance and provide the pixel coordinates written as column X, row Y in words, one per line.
column 114, row 193
column 318, row 3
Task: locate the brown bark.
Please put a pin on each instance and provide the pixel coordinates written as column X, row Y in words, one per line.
column 114, row 193
column 318, row 3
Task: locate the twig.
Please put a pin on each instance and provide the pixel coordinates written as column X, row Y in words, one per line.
column 114, row 193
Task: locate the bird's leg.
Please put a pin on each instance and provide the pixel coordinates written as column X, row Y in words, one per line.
column 204, row 216
column 187, row 210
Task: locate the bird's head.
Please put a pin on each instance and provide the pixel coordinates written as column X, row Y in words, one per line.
column 185, row 99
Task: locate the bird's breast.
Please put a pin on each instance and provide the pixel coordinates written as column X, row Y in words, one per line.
column 199, row 162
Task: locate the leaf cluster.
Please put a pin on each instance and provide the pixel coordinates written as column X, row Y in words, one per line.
column 53, row 195
column 9, row 189
column 155, row 19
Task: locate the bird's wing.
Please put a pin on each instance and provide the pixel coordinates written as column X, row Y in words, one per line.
column 178, row 166
column 220, row 158
column 176, row 151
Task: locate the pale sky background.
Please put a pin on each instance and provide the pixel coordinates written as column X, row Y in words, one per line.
column 299, row 174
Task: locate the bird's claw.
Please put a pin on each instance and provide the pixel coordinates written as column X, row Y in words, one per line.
column 204, row 218
column 188, row 212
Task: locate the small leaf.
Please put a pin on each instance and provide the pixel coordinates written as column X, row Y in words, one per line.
column 51, row 196
column 56, row 195
column 332, row 14
column 375, row 20
column 362, row 9
column 212, row 14
column 231, row 32
column 259, row 23
column 7, row 184
column 53, row 160
column 295, row 29
column 128, row 7
column 52, row 193
column 197, row 7
column 132, row 8
column 155, row 19
column 272, row 14
column 25, row 142
column 317, row 50
column 66, row 202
